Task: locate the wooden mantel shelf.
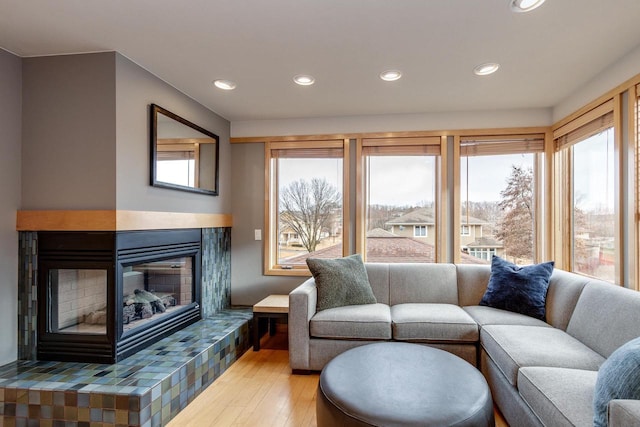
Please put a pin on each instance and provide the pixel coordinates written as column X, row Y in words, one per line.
column 116, row 220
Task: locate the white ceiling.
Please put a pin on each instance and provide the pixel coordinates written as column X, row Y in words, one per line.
column 545, row 55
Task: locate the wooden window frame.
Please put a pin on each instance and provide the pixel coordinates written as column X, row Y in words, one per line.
column 633, row 108
column 500, row 142
column 605, row 114
column 271, row 266
column 403, row 144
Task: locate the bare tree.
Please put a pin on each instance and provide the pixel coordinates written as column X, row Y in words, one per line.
column 487, row 211
column 515, row 230
column 379, row 215
column 307, row 207
column 583, row 230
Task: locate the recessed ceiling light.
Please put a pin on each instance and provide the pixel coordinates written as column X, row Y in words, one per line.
column 390, row 75
column 224, row 84
column 486, row 69
column 525, row 5
column 304, row 80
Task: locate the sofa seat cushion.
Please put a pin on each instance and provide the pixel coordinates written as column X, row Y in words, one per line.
column 432, row 323
column 361, row 322
column 512, row 347
column 484, row 315
column 558, row 396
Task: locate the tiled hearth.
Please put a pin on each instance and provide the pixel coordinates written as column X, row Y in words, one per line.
column 146, row 389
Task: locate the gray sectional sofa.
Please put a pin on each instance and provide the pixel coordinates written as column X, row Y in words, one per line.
column 540, row 373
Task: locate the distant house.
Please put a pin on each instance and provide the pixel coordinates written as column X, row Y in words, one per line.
column 383, row 246
column 484, row 248
column 420, row 224
column 287, row 236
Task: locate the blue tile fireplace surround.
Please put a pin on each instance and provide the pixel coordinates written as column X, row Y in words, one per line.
column 147, row 388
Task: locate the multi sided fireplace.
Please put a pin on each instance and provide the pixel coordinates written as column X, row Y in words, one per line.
column 104, row 295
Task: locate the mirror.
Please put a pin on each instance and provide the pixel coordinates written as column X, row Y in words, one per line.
column 184, row 156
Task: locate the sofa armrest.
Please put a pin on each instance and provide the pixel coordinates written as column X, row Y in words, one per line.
column 302, row 307
column 624, row 413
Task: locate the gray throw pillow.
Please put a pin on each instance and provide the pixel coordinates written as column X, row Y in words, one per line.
column 341, row 281
column 618, row 378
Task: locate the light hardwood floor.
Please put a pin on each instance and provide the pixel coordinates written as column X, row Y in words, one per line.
column 259, row 390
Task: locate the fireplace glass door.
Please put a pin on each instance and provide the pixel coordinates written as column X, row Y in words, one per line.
column 78, row 301
column 155, row 289
column 103, row 296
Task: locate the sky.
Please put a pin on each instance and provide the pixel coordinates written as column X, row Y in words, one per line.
column 488, row 175
column 593, row 172
column 410, row 180
column 291, row 170
column 402, row 181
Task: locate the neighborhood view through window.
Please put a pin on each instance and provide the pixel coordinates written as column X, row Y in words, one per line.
column 593, row 215
column 309, row 209
column 497, row 208
column 498, row 183
column 400, row 210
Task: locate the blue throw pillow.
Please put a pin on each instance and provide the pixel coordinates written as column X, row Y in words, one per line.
column 519, row 289
column 618, row 378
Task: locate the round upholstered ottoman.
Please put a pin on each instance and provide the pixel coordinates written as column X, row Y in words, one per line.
column 401, row 384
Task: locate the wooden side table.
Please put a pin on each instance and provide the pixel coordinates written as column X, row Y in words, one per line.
column 272, row 308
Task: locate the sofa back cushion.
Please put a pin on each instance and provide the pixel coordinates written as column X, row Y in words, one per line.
column 379, row 279
column 423, row 283
column 472, row 282
column 606, row 316
column 563, row 294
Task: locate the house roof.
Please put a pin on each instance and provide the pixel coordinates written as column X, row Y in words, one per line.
column 261, row 45
column 385, row 248
column 380, row 233
column 424, row 216
column 485, row 242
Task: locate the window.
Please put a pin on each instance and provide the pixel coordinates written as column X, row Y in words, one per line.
column 484, row 254
column 634, row 111
column 305, row 203
column 398, row 199
column 178, row 163
column 419, row 231
column 586, row 156
column 498, row 197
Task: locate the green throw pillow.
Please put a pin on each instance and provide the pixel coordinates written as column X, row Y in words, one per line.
column 341, row 281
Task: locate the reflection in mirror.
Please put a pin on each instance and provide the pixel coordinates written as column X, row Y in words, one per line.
column 184, row 156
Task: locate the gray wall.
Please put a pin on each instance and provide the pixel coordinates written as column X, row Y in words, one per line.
column 86, row 145
column 69, row 156
column 625, row 68
column 136, row 88
column 248, row 285
column 10, row 137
